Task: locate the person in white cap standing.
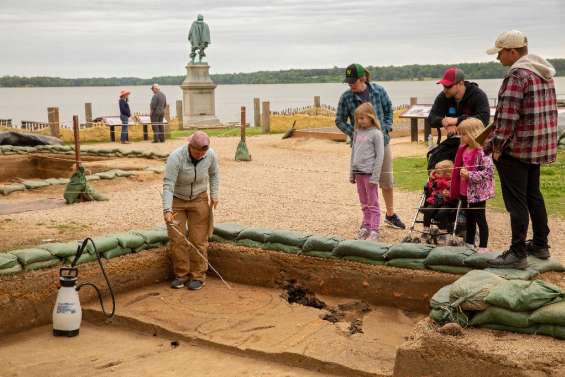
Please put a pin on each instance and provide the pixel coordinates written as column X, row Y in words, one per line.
column 523, row 138
column 189, row 170
column 157, row 113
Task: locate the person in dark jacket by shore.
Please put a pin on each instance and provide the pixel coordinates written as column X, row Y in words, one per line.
column 458, row 101
column 125, row 113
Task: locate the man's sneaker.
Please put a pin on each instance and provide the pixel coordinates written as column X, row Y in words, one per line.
column 195, row 285
column 509, row 259
column 362, row 234
column 541, row 252
column 394, row 221
column 373, row 236
column 178, row 283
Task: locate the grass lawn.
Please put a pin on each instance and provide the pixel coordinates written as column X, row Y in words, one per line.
column 251, row 131
column 410, row 174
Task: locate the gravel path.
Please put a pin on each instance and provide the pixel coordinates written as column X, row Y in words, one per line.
column 290, row 184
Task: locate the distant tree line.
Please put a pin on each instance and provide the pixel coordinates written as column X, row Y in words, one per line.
column 475, row 71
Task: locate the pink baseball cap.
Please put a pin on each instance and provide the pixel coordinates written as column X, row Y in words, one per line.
column 199, row 140
column 452, row 76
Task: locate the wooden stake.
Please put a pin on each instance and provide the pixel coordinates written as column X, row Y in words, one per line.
column 77, row 140
column 243, row 123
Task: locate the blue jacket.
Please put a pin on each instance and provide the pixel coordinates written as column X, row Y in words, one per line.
column 349, row 101
column 124, row 108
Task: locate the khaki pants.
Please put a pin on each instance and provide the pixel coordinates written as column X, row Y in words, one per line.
column 186, row 261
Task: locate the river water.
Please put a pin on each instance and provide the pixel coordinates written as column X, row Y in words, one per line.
column 31, row 103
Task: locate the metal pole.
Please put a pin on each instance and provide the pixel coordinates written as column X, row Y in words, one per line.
column 77, row 140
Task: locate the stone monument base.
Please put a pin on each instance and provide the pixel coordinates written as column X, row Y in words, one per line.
column 198, row 98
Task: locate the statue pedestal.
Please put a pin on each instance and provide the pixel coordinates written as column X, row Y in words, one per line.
column 198, row 101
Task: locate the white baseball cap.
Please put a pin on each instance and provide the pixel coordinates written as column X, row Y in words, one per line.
column 508, row 39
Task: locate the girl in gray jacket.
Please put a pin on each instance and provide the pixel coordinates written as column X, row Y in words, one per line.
column 366, row 163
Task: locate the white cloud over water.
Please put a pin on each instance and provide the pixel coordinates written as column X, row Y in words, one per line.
column 144, row 38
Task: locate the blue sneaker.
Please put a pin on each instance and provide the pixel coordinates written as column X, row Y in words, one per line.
column 178, row 283
column 195, row 285
column 394, row 221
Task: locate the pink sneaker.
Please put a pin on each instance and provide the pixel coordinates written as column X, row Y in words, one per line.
column 482, row 250
column 362, row 234
column 373, row 236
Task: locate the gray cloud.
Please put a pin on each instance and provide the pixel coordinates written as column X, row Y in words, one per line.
column 144, row 38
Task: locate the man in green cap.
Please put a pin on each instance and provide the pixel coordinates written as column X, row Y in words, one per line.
column 362, row 90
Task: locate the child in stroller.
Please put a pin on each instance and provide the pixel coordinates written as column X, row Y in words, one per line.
column 436, row 206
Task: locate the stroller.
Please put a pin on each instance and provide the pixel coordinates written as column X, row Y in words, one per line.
column 454, row 218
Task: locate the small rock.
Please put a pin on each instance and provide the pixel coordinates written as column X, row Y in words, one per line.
column 452, row 329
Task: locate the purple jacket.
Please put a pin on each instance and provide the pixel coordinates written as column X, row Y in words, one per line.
column 481, row 176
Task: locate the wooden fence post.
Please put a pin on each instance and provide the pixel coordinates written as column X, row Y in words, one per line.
column 256, row 112
column 88, row 112
column 167, row 127
column 76, row 134
column 413, row 122
column 317, row 102
column 179, row 113
column 53, row 119
column 266, row 121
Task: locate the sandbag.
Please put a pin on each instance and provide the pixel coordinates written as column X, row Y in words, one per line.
column 32, row 255
column 116, row 252
column 281, row 247
column 377, row 262
column 470, row 290
column 319, row 254
column 153, row 245
column 156, row 169
column 448, row 256
column 35, row 184
column 255, row 234
column 513, row 274
column 500, row 316
column 122, row 173
column 287, row 237
column 544, row 265
column 216, row 238
column 61, row 249
column 530, row 330
column 441, row 297
column 40, row 265
column 458, row 270
column 412, row 263
column 8, row 189
column 11, row 270
column 553, row 314
column 552, row 330
column 103, row 244
column 152, row 236
column 408, row 250
column 57, row 181
column 129, row 240
column 522, row 296
column 250, row 243
column 228, row 231
column 8, row 260
column 447, row 314
column 321, row 243
column 361, row 248
column 84, row 258
column 92, row 178
column 107, row 175
column 78, row 189
column 480, row 260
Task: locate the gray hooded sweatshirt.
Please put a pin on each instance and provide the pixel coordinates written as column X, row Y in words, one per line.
column 535, row 64
column 367, row 153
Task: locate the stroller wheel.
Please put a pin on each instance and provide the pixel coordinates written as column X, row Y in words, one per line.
column 453, row 243
column 416, row 240
column 407, row 239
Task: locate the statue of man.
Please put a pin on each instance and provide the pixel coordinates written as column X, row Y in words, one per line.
column 199, row 37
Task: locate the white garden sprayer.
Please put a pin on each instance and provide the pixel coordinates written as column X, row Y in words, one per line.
column 67, row 313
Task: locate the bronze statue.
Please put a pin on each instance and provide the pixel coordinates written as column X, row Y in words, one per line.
column 199, row 37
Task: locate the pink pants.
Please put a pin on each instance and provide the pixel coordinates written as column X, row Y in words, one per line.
column 369, row 198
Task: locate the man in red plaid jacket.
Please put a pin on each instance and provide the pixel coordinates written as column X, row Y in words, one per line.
column 524, row 137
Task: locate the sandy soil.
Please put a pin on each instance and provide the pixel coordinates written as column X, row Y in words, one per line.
column 298, row 184
column 103, row 351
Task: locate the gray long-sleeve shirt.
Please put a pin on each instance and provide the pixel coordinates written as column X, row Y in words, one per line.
column 158, row 103
column 185, row 180
column 367, row 153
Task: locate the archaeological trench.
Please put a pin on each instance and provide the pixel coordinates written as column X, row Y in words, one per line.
column 281, row 311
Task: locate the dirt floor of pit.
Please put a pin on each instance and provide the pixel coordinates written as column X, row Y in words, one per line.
column 298, row 184
column 104, row 351
column 347, row 336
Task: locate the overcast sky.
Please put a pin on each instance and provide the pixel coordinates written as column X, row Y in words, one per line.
column 144, row 38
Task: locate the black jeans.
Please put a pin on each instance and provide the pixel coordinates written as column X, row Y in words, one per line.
column 158, row 129
column 520, row 183
column 475, row 213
